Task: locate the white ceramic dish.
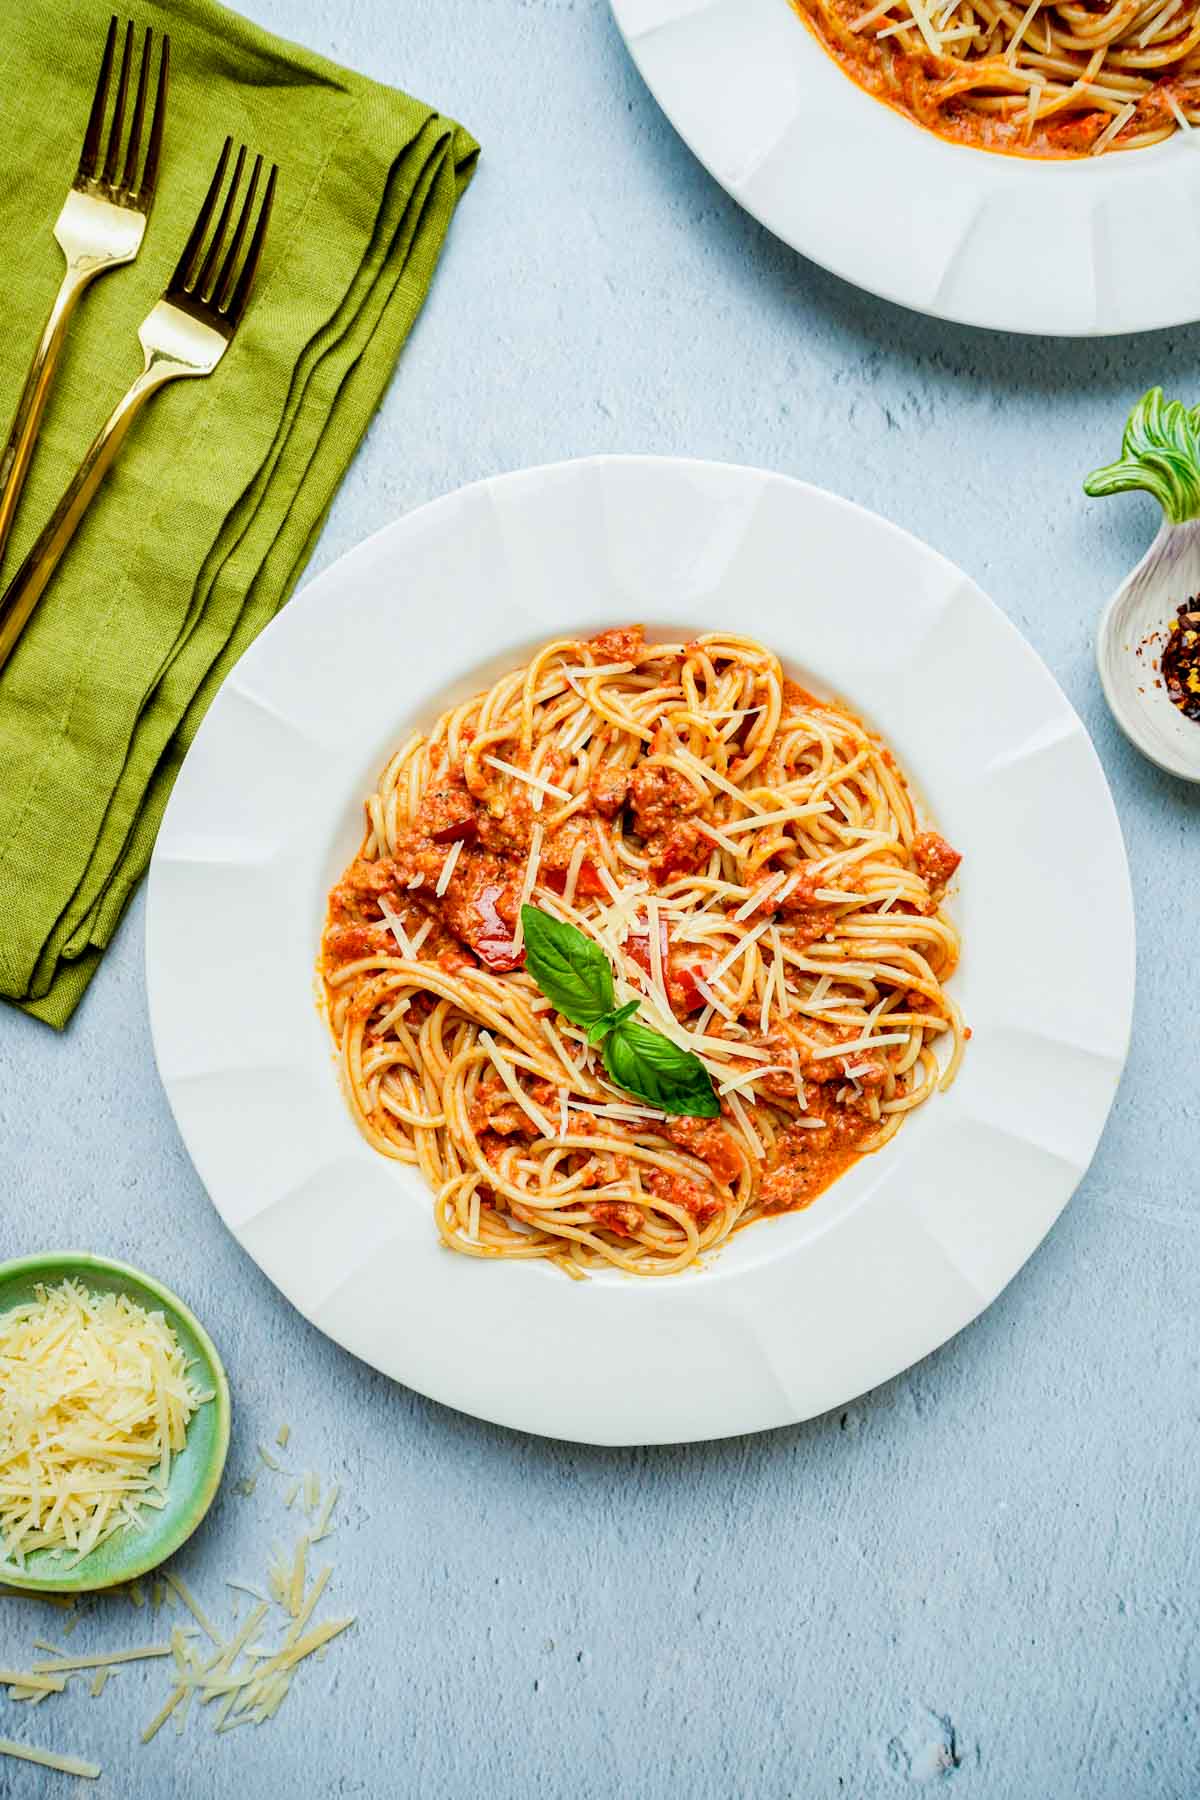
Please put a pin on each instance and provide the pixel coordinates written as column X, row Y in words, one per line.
column 1160, row 453
column 1136, row 618
column 1104, row 244
column 796, row 1315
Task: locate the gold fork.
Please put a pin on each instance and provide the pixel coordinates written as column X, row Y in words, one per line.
column 186, row 333
column 101, row 226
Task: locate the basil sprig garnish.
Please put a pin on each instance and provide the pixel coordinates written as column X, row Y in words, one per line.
column 575, row 976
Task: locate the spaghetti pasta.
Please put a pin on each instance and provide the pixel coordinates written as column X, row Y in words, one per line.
column 1072, row 79
column 749, row 860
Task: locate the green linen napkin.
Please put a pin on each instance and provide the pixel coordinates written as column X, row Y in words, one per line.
column 203, row 527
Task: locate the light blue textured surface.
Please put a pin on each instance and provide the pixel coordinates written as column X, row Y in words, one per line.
column 981, row 1579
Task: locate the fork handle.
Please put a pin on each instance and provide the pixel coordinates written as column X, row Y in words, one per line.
column 31, row 579
column 18, row 451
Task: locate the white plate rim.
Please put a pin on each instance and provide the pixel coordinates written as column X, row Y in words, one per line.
column 324, row 1223
column 997, row 248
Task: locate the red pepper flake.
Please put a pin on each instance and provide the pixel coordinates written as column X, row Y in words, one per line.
column 1180, row 661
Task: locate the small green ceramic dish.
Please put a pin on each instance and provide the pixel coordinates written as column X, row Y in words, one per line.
column 195, row 1472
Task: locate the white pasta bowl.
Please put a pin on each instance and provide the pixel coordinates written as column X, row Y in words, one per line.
column 1080, row 247
column 794, row 1315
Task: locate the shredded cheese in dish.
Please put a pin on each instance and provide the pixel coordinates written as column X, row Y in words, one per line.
column 95, row 1400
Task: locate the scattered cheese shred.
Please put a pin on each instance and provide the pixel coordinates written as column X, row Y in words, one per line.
column 739, row 949
column 781, row 992
column 1027, row 19
column 1117, row 126
column 748, row 1132
column 95, row 1397
column 760, row 894
column 47, row 1759
column 532, row 863
column 710, row 831
column 713, row 1001
column 504, row 1070
column 395, row 925
column 1181, row 118
column 185, row 1594
column 160, row 1718
column 323, row 1525
column 103, row 1662
column 780, row 816
column 866, row 1042
column 749, row 1075
column 296, row 1591
column 533, row 781
column 250, row 1679
column 46, row 1684
column 447, row 869
column 282, row 1436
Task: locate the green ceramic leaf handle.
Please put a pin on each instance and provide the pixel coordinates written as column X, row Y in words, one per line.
column 1160, row 453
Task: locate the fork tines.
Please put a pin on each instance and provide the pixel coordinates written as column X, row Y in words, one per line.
column 210, row 280
column 93, row 175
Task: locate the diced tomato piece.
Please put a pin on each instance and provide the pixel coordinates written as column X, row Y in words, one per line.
column 462, row 831
column 587, row 882
column 638, row 946
column 686, row 978
column 681, row 980
column 493, row 941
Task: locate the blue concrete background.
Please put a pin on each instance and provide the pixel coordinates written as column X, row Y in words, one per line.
column 981, row 1579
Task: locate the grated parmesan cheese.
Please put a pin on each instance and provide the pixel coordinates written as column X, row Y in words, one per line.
column 396, row 926
column 739, row 949
column 1117, row 126
column 95, row 1399
column 781, row 816
column 865, row 1042
column 532, row 864
column 748, row 1132
column 710, row 831
column 447, row 869
column 533, row 781
column 421, row 935
column 760, row 894
column 47, row 1759
column 748, row 1075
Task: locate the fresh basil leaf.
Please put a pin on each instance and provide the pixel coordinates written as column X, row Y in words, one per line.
column 611, row 1020
column 572, row 972
column 649, row 1065
column 574, row 975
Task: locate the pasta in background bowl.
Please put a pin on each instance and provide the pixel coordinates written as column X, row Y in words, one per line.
column 1070, row 245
